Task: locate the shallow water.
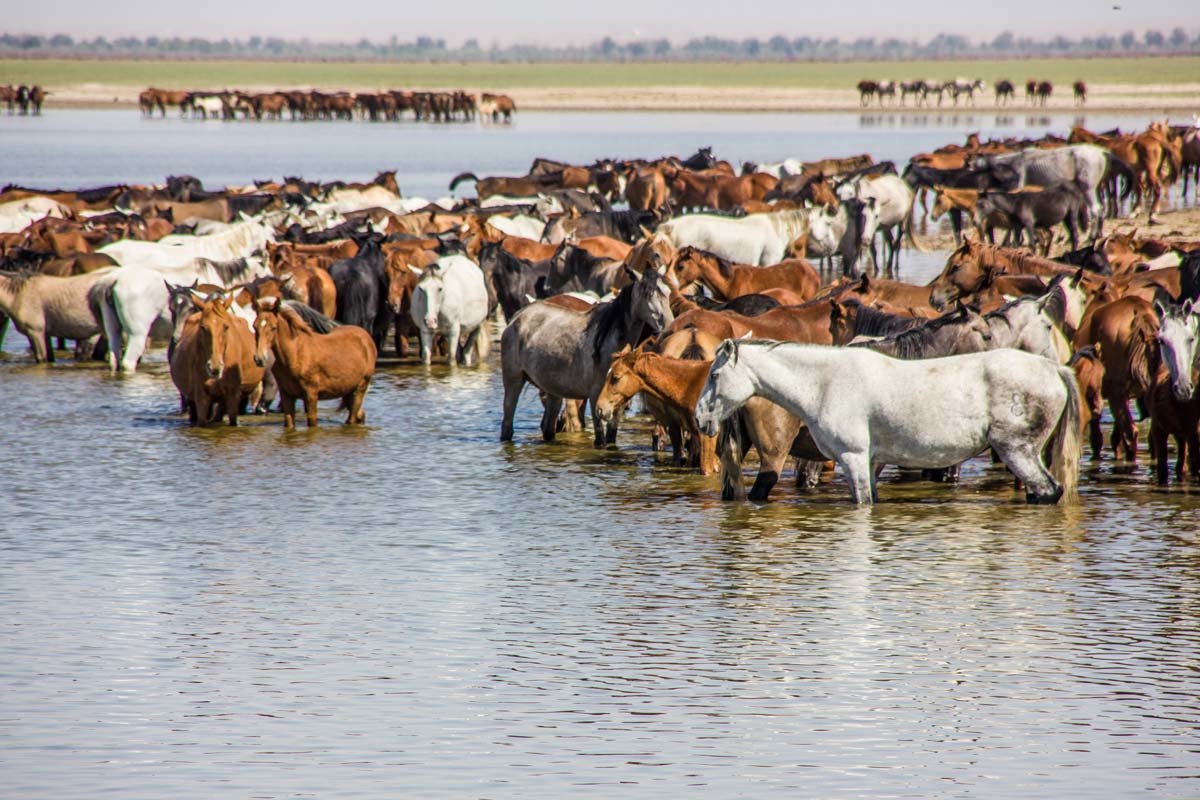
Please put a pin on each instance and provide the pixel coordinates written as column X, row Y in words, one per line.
column 414, row 609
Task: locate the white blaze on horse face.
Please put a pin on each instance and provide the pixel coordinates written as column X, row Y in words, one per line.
column 1177, row 339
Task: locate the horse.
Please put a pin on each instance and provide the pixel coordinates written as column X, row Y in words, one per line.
column 1172, row 400
column 894, row 204
column 1125, row 330
column 214, row 364
column 672, row 386
column 1080, row 89
column 132, row 301
column 451, row 299
column 515, row 279
column 1089, row 373
column 313, row 366
column 361, row 288
column 1028, row 211
column 757, row 239
column 728, row 281
column 1084, row 164
column 1004, row 92
column 566, row 353
column 862, row 408
column 44, row 307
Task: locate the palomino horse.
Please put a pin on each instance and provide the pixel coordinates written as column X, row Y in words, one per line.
column 860, row 407
column 1173, row 403
column 313, row 366
column 566, row 353
column 214, row 365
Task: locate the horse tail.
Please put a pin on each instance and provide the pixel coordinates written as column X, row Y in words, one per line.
column 1067, row 444
column 460, row 177
column 483, row 342
column 908, row 231
column 729, row 451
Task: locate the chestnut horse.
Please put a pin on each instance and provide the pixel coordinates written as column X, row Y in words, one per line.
column 729, row 281
column 674, row 386
column 807, row 323
column 313, row 366
column 1125, row 329
column 214, row 364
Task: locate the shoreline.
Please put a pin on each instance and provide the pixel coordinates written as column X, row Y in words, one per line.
column 1165, row 99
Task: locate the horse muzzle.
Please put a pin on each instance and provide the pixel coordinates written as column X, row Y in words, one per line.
column 1183, row 390
column 708, row 427
column 431, row 323
column 260, row 360
column 214, row 370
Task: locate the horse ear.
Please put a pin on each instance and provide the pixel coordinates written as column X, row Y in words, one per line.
column 631, row 272
column 625, row 350
column 1159, row 309
column 1188, row 307
column 1076, row 278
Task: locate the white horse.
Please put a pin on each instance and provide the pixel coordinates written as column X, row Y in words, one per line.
column 778, row 169
column 524, row 225
column 759, row 239
column 241, row 240
column 1178, row 335
column 451, row 299
column 893, row 203
column 17, row 215
column 134, row 302
column 863, row 408
column 841, row 232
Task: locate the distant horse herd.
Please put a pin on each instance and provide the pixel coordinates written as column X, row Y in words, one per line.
column 1037, row 92
column 680, row 280
column 392, row 105
column 25, row 99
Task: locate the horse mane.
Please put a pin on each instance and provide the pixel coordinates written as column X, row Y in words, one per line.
column 229, row 272
column 1143, row 360
column 18, row 278
column 873, row 322
column 1088, row 352
column 606, row 316
column 914, row 342
column 1056, row 306
column 313, row 320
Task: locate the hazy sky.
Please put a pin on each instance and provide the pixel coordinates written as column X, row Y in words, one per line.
column 578, row 22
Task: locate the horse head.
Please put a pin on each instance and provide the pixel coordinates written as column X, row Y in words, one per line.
column 266, row 327
column 620, row 385
column 1179, row 326
column 728, row 387
column 651, row 302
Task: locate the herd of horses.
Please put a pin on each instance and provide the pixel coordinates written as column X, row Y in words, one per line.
column 23, row 99
column 438, row 106
column 1037, row 92
column 682, row 281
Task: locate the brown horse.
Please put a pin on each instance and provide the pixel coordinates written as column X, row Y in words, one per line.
column 1089, row 374
column 674, row 385
column 314, row 366
column 214, row 365
column 808, row 323
column 646, row 189
column 1125, row 331
column 729, row 281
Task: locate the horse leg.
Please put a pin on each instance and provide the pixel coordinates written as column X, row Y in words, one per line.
column 112, row 333
column 550, row 416
column 1023, row 459
column 859, row 475
column 1096, row 437
column 233, row 404
column 675, row 434
column 40, row 342
column 1192, row 442
column 354, row 403
column 310, row 407
column 1159, row 440
column 426, row 337
column 513, row 384
column 610, row 430
column 287, row 403
column 452, row 342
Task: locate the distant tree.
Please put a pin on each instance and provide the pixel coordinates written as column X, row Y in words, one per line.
column 1179, row 38
column 1128, row 40
column 751, row 47
column 608, row 46
column 1004, row 41
column 61, row 40
column 1154, row 39
column 779, row 45
column 662, row 47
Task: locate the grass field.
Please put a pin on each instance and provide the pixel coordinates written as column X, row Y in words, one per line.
column 214, row 74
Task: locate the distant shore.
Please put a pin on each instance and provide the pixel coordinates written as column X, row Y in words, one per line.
column 1153, row 85
column 1174, row 100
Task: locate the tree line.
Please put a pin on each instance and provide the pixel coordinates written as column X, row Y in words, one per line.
column 707, row 48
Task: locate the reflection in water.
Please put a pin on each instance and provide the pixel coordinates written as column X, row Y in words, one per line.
column 279, row 613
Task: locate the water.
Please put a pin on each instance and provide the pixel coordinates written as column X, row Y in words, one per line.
column 416, row 610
